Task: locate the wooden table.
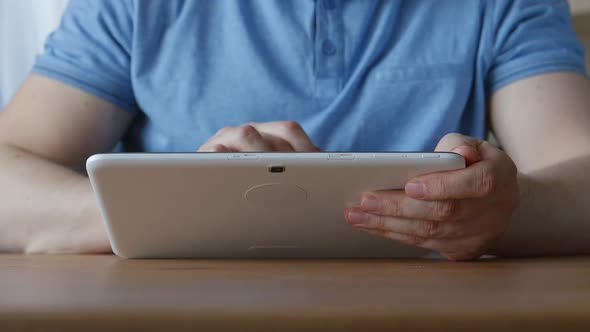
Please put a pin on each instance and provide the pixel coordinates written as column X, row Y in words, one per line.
column 88, row 293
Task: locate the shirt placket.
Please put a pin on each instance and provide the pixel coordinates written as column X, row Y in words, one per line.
column 329, row 49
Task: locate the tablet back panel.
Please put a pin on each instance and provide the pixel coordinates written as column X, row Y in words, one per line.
column 247, row 205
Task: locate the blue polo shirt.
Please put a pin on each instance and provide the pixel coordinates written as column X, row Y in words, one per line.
column 358, row 75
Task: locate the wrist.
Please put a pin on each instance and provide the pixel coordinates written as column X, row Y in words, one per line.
column 508, row 242
column 79, row 231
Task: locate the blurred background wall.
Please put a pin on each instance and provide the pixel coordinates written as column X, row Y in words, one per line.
column 24, row 25
column 581, row 19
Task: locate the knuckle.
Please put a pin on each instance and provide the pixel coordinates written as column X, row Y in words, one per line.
column 284, row 146
column 246, row 131
column 438, row 187
column 430, row 229
column 291, row 126
column 487, row 183
column 380, row 222
column 446, row 210
column 218, row 148
column 391, row 206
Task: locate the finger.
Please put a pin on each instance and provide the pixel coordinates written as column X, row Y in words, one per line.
column 289, row 131
column 476, row 181
column 395, row 203
column 420, row 228
column 466, row 146
column 214, row 148
column 481, row 179
column 423, row 227
column 245, row 138
column 277, row 143
column 411, row 240
column 455, row 250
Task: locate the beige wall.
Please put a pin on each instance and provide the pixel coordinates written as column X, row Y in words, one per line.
column 581, row 19
column 24, row 24
column 580, row 6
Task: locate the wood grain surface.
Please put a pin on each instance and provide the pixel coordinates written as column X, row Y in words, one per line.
column 105, row 293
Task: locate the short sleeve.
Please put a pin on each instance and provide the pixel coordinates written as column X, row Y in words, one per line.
column 91, row 50
column 531, row 37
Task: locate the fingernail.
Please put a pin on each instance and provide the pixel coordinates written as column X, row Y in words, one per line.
column 355, row 216
column 370, row 203
column 416, row 189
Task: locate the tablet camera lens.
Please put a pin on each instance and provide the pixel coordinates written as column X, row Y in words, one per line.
column 276, row 169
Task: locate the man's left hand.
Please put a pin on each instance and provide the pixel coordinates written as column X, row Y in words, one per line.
column 457, row 213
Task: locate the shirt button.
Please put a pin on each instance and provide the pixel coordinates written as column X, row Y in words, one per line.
column 328, row 47
column 329, row 4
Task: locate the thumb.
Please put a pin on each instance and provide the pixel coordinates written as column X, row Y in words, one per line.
column 466, row 146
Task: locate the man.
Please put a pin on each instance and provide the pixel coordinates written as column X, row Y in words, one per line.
column 308, row 75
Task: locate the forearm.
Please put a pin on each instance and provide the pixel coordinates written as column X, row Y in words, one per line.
column 46, row 207
column 553, row 217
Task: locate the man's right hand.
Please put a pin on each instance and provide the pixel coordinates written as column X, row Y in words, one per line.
column 47, row 132
column 283, row 136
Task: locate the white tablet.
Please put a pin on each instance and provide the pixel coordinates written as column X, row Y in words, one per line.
column 249, row 205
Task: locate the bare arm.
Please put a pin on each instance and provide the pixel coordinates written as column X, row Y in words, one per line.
column 543, row 123
column 46, row 134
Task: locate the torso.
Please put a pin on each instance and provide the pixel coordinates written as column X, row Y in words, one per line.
column 362, row 76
